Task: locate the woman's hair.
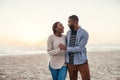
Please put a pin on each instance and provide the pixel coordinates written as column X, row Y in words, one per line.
column 54, row 27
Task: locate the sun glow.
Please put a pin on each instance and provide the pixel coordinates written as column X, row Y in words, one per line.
column 31, row 36
column 30, row 39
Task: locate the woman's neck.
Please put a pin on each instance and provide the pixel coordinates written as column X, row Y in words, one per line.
column 58, row 34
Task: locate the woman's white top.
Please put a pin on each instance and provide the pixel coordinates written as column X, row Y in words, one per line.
column 57, row 56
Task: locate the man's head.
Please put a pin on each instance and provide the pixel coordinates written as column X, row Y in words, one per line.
column 73, row 22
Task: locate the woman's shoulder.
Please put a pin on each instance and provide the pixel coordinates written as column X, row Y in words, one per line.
column 63, row 35
column 50, row 37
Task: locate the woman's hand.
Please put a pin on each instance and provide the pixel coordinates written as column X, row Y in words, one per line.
column 62, row 47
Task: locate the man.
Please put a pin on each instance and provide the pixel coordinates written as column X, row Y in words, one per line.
column 76, row 57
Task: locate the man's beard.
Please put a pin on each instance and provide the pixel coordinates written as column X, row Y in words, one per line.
column 71, row 27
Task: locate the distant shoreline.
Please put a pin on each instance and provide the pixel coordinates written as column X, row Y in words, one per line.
column 115, row 51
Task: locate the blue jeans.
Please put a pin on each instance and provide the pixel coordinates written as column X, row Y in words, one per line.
column 58, row 74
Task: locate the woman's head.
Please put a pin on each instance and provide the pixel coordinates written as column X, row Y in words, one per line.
column 58, row 27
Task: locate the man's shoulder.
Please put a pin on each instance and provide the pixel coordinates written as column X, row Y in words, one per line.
column 83, row 30
column 68, row 31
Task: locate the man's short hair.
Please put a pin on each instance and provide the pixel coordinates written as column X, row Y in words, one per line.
column 74, row 17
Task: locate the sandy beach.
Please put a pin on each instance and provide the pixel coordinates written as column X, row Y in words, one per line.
column 103, row 66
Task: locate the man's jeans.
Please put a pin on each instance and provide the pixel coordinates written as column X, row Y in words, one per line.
column 58, row 74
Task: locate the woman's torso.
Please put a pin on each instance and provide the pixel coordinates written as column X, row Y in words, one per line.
column 58, row 60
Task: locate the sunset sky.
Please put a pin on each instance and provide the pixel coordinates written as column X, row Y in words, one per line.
column 30, row 21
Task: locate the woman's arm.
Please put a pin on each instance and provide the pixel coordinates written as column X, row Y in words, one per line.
column 50, row 47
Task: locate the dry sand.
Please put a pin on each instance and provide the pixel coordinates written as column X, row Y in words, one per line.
column 103, row 66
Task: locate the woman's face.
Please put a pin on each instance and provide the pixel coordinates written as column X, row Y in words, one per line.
column 60, row 28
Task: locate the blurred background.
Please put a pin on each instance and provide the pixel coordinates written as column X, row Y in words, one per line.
column 26, row 24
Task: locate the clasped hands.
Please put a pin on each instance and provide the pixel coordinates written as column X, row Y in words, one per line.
column 62, row 47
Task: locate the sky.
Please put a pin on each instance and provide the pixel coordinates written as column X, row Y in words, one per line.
column 29, row 22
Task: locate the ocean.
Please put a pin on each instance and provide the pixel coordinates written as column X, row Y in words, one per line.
column 23, row 50
column 103, row 47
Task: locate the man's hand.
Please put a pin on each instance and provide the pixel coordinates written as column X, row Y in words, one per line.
column 62, row 47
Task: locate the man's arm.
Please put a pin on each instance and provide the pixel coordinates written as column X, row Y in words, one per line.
column 81, row 45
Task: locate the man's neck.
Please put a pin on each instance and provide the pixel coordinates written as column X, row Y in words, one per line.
column 76, row 28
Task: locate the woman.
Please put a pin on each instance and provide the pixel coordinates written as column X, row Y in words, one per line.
column 56, row 51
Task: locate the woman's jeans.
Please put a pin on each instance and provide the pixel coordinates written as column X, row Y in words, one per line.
column 58, row 74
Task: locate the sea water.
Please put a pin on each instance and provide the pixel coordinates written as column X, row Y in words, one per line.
column 20, row 50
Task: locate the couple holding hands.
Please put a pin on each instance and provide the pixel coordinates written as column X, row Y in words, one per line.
column 68, row 52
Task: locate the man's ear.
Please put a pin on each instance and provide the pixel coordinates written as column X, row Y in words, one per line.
column 74, row 22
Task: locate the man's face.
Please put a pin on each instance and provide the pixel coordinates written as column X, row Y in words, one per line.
column 71, row 24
